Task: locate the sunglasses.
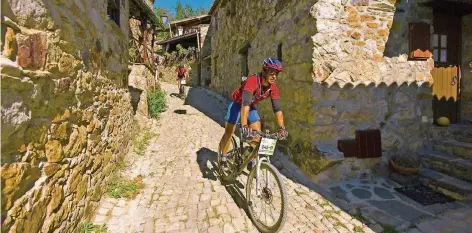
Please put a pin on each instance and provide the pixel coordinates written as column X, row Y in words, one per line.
column 272, row 72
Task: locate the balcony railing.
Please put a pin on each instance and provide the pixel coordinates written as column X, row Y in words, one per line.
column 185, row 31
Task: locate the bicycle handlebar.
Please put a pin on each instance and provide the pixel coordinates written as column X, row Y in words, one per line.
column 258, row 134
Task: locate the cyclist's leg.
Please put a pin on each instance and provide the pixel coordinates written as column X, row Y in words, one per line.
column 232, row 117
column 226, row 138
column 255, row 124
column 178, row 84
column 254, row 121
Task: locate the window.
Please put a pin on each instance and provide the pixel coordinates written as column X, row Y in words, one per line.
column 244, row 53
column 440, row 48
column 279, row 52
column 113, row 11
column 419, row 34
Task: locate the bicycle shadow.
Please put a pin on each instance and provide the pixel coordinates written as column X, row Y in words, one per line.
column 207, row 161
column 174, row 95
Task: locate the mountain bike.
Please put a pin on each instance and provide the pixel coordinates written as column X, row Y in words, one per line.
column 182, row 88
column 260, row 193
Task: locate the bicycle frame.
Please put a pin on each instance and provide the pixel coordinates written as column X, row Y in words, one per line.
column 259, row 161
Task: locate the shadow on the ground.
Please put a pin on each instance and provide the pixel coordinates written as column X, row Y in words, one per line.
column 207, row 161
column 180, row 111
column 176, row 95
column 198, row 98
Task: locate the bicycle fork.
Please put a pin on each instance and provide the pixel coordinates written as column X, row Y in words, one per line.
column 259, row 161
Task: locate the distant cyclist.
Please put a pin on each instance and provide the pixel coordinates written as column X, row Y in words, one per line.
column 182, row 73
column 253, row 90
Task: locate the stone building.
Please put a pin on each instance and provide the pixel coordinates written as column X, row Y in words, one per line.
column 190, row 32
column 66, row 108
column 352, row 65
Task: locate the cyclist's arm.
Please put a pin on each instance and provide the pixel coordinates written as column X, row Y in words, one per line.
column 247, row 98
column 279, row 117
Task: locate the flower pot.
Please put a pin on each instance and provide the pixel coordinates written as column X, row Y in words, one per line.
column 404, row 170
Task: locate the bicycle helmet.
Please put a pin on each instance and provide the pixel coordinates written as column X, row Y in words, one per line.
column 272, row 63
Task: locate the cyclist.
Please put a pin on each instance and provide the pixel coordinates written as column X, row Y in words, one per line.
column 253, row 90
column 182, row 73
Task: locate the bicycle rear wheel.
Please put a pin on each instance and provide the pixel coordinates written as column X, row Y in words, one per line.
column 182, row 91
column 233, row 153
column 271, row 197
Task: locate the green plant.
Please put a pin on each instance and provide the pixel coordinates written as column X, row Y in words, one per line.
column 360, row 218
column 389, row 228
column 88, row 227
column 141, row 142
column 118, row 187
column 358, row 229
column 132, row 53
column 157, row 102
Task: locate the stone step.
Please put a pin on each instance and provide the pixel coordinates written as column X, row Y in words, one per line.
column 454, row 147
column 448, row 185
column 464, row 138
column 449, row 164
column 462, row 130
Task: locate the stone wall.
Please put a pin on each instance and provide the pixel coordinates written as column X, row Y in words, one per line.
column 205, row 72
column 466, row 79
column 142, row 80
column 66, row 112
column 338, row 75
column 204, row 28
column 367, row 44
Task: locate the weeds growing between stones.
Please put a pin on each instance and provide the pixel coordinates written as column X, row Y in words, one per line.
column 389, row 228
column 118, row 187
column 88, row 227
column 141, row 142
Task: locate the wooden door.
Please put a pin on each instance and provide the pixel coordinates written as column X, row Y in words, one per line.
column 446, row 74
column 445, row 92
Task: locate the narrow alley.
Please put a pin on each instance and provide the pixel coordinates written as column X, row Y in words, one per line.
column 182, row 192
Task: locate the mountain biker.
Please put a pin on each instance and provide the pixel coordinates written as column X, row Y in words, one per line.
column 182, row 73
column 253, row 90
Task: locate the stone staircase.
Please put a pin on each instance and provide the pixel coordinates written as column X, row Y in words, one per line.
column 447, row 161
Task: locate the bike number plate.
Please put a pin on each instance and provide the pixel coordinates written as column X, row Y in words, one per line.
column 267, row 146
column 182, row 81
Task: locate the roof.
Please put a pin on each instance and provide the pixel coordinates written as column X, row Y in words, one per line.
column 139, row 6
column 191, row 19
column 201, row 19
column 177, row 38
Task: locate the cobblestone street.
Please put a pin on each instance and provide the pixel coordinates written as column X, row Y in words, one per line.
column 182, row 193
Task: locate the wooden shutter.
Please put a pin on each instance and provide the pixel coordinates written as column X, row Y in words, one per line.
column 419, row 41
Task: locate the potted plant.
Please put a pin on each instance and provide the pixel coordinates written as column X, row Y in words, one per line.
column 405, row 164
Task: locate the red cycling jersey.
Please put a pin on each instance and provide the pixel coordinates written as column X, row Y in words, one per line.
column 253, row 84
column 181, row 72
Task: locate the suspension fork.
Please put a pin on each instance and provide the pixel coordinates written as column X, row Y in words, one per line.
column 259, row 161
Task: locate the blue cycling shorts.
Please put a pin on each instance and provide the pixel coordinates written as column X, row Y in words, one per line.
column 234, row 113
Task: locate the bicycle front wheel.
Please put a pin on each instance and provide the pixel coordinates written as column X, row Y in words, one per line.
column 267, row 204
